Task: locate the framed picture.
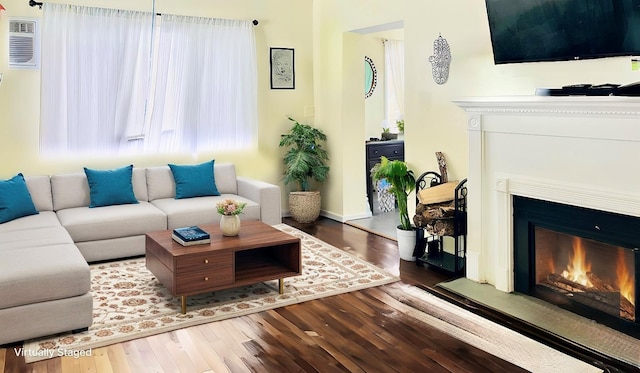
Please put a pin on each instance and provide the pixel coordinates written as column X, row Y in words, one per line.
column 283, row 74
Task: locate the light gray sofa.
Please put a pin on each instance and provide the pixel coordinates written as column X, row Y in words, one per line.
column 44, row 275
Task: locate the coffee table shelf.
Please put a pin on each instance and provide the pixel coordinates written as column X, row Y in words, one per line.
column 259, row 253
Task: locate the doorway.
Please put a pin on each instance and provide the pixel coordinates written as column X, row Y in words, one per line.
column 380, row 219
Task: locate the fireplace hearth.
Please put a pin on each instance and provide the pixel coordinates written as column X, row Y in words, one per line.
column 583, row 260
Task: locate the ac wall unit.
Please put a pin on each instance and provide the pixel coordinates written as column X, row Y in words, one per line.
column 24, row 43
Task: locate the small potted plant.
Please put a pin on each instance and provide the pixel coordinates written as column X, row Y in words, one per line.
column 402, row 182
column 400, row 124
column 230, row 221
column 387, row 134
column 304, row 161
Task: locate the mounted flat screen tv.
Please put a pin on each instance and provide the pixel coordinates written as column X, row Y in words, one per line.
column 559, row 30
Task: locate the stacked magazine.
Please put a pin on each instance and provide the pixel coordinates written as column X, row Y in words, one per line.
column 189, row 236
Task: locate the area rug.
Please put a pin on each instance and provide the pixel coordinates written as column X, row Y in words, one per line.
column 566, row 324
column 485, row 334
column 130, row 303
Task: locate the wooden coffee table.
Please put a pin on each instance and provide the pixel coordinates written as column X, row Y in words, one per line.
column 259, row 253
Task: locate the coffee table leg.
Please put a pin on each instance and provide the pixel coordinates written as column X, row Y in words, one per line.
column 281, row 285
column 183, row 304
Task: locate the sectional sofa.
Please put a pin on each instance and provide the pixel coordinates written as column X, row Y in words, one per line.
column 44, row 272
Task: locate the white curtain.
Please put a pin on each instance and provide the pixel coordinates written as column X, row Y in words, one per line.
column 119, row 81
column 394, row 79
column 95, row 69
column 205, row 84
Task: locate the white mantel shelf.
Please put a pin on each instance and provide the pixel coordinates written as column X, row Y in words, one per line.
column 578, row 105
column 578, row 150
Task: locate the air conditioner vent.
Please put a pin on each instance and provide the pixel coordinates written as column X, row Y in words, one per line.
column 27, row 27
column 23, row 43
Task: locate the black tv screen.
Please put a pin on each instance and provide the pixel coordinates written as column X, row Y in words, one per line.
column 556, row 30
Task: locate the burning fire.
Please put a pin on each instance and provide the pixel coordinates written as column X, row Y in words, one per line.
column 624, row 281
column 578, row 268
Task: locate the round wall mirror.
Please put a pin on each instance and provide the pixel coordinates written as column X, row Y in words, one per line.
column 370, row 77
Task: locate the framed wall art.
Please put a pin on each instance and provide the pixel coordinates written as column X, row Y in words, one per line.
column 282, row 68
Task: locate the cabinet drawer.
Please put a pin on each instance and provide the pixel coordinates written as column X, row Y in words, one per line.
column 388, row 150
column 203, row 281
column 210, row 261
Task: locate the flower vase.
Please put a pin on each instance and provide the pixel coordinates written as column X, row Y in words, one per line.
column 230, row 225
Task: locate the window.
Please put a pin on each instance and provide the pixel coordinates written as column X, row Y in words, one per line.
column 116, row 81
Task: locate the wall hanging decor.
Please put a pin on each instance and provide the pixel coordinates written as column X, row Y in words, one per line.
column 282, row 68
column 440, row 60
column 370, row 77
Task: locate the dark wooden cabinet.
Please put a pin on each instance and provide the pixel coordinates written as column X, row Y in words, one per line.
column 392, row 149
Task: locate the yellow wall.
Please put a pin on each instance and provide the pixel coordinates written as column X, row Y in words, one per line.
column 433, row 122
column 329, row 81
column 282, row 23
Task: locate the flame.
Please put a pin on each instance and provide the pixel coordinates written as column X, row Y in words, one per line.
column 578, row 267
column 624, row 281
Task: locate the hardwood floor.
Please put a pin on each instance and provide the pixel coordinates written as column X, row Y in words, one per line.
column 361, row 331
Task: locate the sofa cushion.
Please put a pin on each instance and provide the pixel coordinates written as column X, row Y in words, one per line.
column 87, row 224
column 41, row 220
column 40, row 190
column 194, row 180
column 202, row 210
column 72, row 190
column 35, row 237
column 160, row 183
column 38, row 274
column 110, row 187
column 15, row 199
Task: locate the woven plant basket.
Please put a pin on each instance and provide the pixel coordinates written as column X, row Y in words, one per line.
column 304, row 206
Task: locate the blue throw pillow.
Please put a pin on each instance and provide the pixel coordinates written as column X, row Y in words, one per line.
column 194, row 180
column 15, row 199
column 110, row 187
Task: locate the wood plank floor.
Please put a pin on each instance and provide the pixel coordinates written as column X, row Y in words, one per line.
column 362, row 331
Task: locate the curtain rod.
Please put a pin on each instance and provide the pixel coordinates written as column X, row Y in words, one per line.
column 33, row 3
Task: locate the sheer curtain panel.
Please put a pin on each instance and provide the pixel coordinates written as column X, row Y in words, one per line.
column 95, row 72
column 394, row 75
column 205, row 86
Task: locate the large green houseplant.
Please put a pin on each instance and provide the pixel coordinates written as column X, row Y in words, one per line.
column 304, row 161
column 403, row 182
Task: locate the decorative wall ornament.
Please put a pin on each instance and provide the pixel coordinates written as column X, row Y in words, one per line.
column 440, row 60
column 370, row 77
column 282, row 68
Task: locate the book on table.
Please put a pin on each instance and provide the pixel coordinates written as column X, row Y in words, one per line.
column 188, row 236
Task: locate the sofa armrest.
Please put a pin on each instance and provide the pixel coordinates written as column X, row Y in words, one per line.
column 265, row 194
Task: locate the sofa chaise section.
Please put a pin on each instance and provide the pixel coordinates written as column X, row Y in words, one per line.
column 42, row 274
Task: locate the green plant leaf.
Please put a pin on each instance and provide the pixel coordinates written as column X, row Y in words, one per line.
column 305, row 158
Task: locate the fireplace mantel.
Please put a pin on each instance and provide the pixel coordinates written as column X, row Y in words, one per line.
column 578, row 150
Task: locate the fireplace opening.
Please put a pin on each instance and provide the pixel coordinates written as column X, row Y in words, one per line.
column 582, row 260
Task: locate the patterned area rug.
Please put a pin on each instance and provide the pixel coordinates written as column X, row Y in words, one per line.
column 130, row 303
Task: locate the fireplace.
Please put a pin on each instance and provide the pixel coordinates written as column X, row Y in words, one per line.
column 571, row 151
column 580, row 259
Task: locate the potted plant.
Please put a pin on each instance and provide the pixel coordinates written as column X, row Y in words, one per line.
column 230, row 221
column 387, row 135
column 402, row 182
column 304, row 161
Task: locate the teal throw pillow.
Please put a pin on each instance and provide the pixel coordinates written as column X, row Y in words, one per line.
column 110, row 187
column 15, row 199
column 194, row 180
